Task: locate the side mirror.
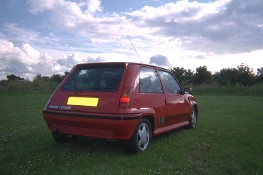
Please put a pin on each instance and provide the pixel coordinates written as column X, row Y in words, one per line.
column 188, row 90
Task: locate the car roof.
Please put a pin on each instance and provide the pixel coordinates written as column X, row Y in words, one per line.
column 118, row 63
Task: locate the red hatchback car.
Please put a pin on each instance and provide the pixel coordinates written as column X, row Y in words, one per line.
column 120, row 101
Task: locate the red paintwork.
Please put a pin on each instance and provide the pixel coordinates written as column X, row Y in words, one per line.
column 113, row 119
column 90, row 127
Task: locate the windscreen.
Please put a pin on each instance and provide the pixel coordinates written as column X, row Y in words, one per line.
column 90, row 79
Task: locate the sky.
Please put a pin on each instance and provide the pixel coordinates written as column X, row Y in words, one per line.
column 51, row 36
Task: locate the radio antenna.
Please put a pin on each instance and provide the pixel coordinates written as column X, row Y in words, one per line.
column 134, row 49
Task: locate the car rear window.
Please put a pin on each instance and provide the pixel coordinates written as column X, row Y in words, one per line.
column 87, row 79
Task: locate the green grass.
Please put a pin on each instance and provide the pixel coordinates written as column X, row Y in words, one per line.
column 227, row 140
column 237, row 90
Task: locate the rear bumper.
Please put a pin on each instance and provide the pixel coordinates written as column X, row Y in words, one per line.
column 106, row 126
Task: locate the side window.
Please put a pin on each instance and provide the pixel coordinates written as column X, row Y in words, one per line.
column 149, row 81
column 170, row 84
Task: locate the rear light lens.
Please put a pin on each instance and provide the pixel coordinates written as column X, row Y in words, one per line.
column 125, row 98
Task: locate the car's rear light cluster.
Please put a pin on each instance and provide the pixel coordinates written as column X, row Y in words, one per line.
column 125, row 98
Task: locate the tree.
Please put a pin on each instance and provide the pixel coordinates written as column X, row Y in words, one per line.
column 226, row 76
column 65, row 74
column 39, row 77
column 12, row 77
column 189, row 76
column 241, row 75
column 202, row 75
column 178, row 73
column 245, row 75
column 183, row 75
column 259, row 77
column 57, row 78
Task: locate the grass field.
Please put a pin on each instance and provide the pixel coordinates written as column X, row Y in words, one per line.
column 227, row 140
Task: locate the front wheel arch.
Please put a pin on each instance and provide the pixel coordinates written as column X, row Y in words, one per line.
column 193, row 119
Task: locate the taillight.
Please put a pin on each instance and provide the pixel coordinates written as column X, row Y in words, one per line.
column 125, row 98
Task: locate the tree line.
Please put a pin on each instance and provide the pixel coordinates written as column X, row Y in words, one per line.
column 39, row 82
column 57, row 78
column 240, row 76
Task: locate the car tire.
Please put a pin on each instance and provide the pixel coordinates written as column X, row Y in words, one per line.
column 141, row 137
column 193, row 120
column 60, row 138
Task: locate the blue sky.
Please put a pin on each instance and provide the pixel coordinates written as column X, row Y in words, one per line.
column 50, row 36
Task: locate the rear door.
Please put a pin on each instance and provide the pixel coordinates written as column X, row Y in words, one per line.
column 151, row 96
column 178, row 107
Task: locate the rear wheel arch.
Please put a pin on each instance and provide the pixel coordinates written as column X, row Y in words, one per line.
column 141, row 138
column 151, row 120
column 150, row 114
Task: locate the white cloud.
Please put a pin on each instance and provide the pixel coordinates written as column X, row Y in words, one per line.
column 26, row 61
column 160, row 60
column 219, row 26
column 79, row 18
column 38, row 6
column 69, row 60
column 22, row 60
column 189, row 34
column 95, row 60
column 215, row 62
column 32, row 55
column 180, row 11
column 20, row 34
column 69, row 15
column 93, row 6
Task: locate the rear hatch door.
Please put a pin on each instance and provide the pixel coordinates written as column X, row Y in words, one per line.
column 93, row 88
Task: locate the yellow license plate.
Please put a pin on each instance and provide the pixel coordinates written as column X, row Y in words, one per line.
column 83, row 101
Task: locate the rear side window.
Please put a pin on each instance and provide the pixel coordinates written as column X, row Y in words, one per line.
column 86, row 79
column 149, row 81
column 170, row 84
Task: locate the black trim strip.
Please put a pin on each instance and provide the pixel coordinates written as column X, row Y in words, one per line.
column 91, row 116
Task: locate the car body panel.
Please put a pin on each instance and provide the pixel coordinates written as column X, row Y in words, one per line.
column 105, row 126
column 112, row 118
column 178, row 108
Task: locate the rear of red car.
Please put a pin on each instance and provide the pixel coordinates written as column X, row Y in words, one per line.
column 92, row 101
